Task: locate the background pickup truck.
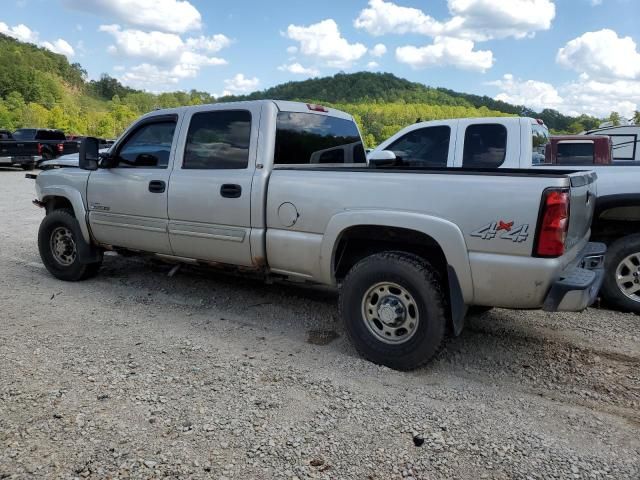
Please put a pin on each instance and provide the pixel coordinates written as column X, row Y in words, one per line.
column 48, row 143
column 239, row 185
column 520, row 143
column 18, row 154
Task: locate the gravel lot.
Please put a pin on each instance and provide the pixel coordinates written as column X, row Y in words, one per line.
column 135, row 374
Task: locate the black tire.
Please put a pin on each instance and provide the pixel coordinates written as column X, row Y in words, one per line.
column 422, row 282
column 74, row 271
column 617, row 252
column 28, row 166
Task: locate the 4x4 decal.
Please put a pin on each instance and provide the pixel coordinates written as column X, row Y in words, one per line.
column 504, row 230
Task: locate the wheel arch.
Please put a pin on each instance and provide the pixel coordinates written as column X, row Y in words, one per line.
column 390, row 230
column 56, row 197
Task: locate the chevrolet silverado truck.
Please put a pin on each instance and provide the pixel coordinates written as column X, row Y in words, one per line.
column 521, row 143
column 283, row 190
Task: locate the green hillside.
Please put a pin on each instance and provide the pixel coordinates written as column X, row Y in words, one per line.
column 39, row 88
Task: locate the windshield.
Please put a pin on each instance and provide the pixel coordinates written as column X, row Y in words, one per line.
column 25, row 134
column 540, row 134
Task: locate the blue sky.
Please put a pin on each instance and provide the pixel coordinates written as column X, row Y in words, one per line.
column 573, row 55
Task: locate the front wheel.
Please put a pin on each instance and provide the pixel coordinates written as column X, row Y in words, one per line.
column 621, row 286
column 58, row 240
column 392, row 306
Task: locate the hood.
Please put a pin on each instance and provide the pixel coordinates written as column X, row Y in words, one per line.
column 63, row 161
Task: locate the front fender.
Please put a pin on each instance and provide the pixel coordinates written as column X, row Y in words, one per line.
column 76, row 200
column 446, row 234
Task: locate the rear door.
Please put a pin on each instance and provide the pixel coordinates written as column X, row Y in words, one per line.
column 210, row 191
column 128, row 203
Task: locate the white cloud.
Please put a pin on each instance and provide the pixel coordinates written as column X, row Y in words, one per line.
column 297, row 69
column 149, row 77
column 25, row 34
column 240, row 84
column 166, row 57
column 446, row 51
column 382, row 17
column 19, row 32
column 583, row 95
column 177, row 16
column 292, row 50
column 603, row 55
column 378, row 51
column 531, row 93
column 60, row 46
column 372, row 65
column 478, row 20
column 323, row 42
column 488, row 19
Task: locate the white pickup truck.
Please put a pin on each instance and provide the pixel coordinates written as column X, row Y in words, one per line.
column 282, row 189
column 519, row 143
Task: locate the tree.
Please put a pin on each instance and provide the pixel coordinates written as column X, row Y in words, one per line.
column 614, row 118
column 636, row 117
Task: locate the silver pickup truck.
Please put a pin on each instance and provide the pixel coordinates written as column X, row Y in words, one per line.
column 283, row 189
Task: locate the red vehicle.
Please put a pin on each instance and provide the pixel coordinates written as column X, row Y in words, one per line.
column 579, row 150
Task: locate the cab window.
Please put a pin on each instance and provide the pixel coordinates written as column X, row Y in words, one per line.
column 148, row 146
column 426, row 147
column 218, row 141
column 485, row 146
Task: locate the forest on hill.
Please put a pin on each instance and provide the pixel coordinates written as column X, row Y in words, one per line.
column 39, row 88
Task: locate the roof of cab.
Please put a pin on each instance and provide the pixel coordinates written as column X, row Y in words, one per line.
column 282, row 105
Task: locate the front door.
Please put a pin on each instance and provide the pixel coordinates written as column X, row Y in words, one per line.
column 210, row 190
column 128, row 202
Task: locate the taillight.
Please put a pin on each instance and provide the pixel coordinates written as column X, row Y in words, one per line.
column 39, row 149
column 554, row 224
column 60, row 147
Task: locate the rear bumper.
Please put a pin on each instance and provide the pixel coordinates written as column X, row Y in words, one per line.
column 578, row 286
column 19, row 160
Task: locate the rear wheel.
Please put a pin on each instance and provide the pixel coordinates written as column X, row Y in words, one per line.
column 621, row 287
column 393, row 309
column 58, row 240
column 28, row 166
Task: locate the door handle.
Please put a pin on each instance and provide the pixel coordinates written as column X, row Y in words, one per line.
column 157, row 186
column 231, row 191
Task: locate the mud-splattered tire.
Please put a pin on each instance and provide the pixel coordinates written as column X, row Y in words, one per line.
column 393, row 309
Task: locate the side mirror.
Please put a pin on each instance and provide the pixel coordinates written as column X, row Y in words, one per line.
column 382, row 158
column 89, row 154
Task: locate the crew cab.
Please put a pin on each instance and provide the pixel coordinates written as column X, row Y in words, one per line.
column 244, row 186
column 522, row 143
column 49, row 143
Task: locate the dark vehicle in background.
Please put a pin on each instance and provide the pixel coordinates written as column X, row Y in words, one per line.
column 50, row 143
column 579, row 150
column 17, row 154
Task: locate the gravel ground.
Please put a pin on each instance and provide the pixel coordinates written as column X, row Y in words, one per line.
column 135, row 374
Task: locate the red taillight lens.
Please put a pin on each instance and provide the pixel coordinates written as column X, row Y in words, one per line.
column 39, row 149
column 555, row 224
column 60, row 147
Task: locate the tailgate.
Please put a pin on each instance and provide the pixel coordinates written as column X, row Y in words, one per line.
column 583, row 202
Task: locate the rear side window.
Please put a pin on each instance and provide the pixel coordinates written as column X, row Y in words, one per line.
column 426, row 147
column 307, row 138
column 578, row 153
column 485, row 146
column 218, row 141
